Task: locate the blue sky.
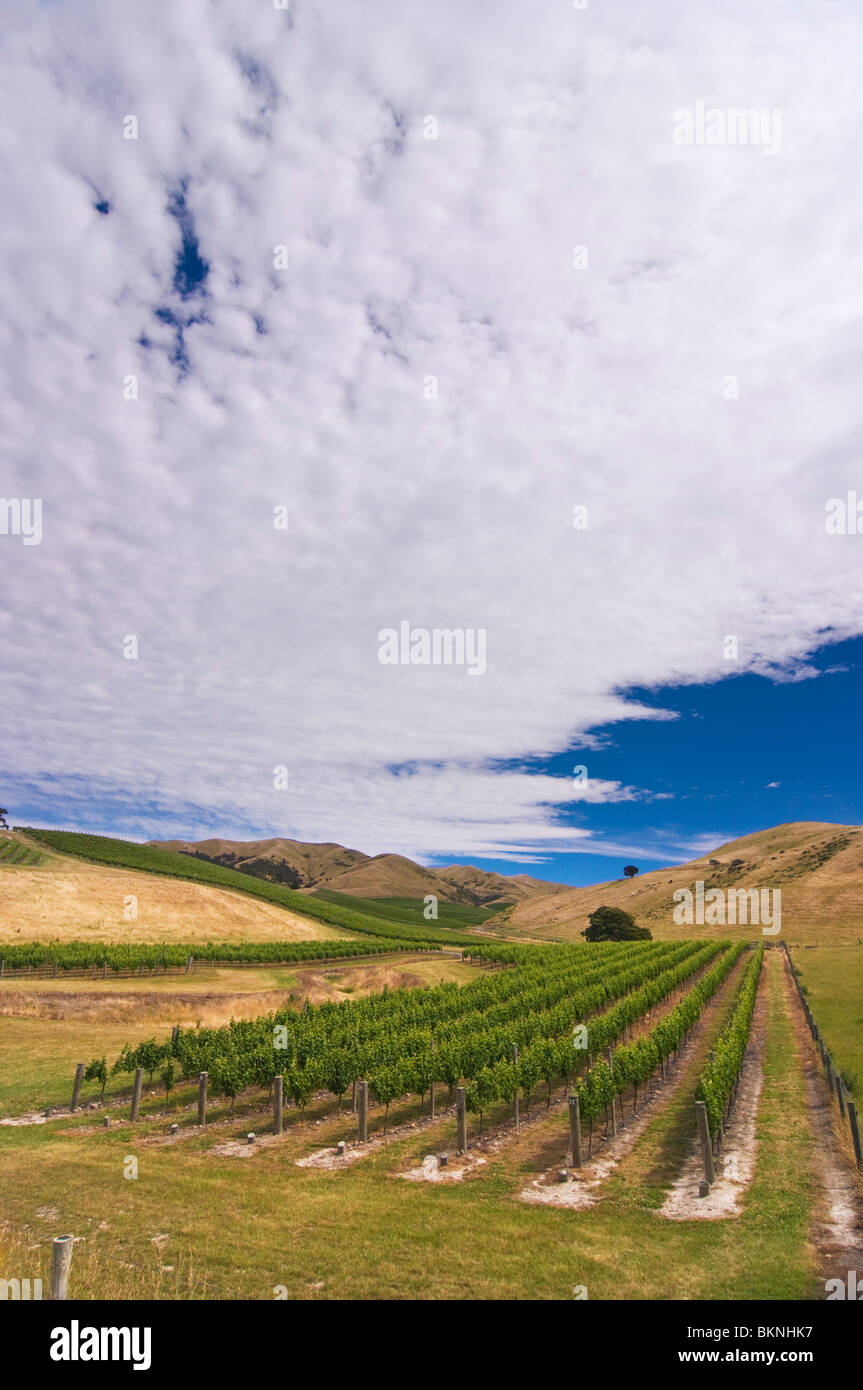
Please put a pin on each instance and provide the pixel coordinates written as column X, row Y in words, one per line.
column 743, row 754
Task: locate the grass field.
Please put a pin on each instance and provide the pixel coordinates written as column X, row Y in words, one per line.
column 833, row 979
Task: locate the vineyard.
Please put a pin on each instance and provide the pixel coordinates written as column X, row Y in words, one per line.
column 13, row 852
column 502, row 1034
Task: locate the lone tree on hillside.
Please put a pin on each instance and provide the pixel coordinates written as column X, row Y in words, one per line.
column 4, row 824
column 630, row 870
column 613, row 924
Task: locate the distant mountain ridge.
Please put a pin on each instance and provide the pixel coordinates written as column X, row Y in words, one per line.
column 312, row 866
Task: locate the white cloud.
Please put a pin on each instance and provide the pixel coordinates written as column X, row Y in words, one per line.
column 408, row 258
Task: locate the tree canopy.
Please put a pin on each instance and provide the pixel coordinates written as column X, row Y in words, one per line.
column 613, row 924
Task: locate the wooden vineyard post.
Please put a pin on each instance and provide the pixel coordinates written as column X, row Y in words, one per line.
column 855, row 1132
column 704, row 1136
column 575, row 1131
column 461, row 1119
column 188, row 965
column 76, row 1089
column 136, row 1093
column 277, row 1105
column 515, row 1097
column 613, row 1117
column 61, row 1260
column 363, row 1103
column 202, row 1097
column 354, row 1097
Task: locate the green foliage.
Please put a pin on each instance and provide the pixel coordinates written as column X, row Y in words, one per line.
column 633, row 1064
column 613, row 924
column 96, row 1070
column 719, row 1077
column 83, row 955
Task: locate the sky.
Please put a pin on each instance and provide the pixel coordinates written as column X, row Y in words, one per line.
column 314, row 327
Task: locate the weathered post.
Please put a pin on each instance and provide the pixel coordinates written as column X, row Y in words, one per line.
column 363, row 1103
column 461, row 1119
column 704, row 1136
column 76, row 1089
column 855, row 1132
column 575, row 1131
column 104, row 970
column 188, row 965
column 515, row 1097
column 136, row 1093
column 2, row 968
column 277, row 1105
column 202, row 1097
column 613, row 1116
column 61, row 1260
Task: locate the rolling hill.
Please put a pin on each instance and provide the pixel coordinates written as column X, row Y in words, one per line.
column 817, row 865
column 311, row 866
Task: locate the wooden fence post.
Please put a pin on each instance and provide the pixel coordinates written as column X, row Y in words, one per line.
column 704, row 1136
column 515, row 1097
column 575, row 1131
column 855, row 1132
column 461, row 1119
column 76, row 1089
column 61, row 1260
column 613, row 1116
column 277, row 1105
column 202, row 1097
column 363, row 1103
column 136, row 1092
column 188, row 965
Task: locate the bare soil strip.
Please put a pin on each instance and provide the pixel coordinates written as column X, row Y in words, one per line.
column 735, row 1168
column 836, row 1231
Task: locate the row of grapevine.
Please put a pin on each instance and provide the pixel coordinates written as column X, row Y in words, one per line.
column 632, row 1064
column 718, row 1080
column 81, row 955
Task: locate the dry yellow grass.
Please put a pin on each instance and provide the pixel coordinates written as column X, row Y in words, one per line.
column 817, row 865
column 213, row 995
column 68, row 899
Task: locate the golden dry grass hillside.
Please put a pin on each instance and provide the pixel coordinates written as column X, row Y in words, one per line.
column 361, row 875
column 817, row 865
column 69, row 899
